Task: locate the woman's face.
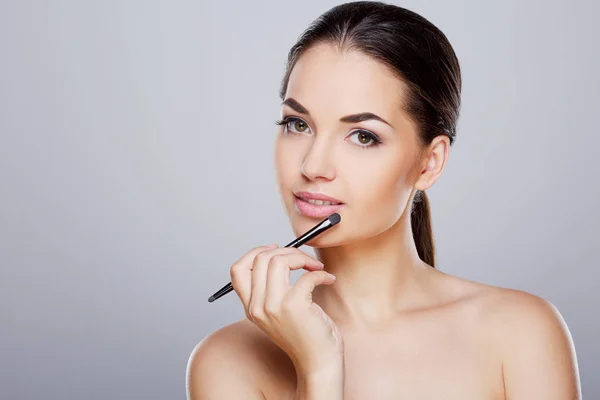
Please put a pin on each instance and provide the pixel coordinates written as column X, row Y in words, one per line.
column 367, row 165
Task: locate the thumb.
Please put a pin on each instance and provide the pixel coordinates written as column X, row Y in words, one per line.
column 304, row 286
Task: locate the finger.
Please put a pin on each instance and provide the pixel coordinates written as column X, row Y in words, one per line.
column 241, row 273
column 301, row 292
column 278, row 276
column 260, row 266
column 259, row 279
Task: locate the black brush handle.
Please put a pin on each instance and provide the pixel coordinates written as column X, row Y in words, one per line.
column 321, row 227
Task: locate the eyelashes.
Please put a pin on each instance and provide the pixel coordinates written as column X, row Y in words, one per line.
column 374, row 140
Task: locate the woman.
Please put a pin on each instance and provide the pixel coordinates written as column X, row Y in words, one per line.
column 371, row 98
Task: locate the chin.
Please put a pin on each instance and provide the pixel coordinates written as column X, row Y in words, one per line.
column 335, row 236
column 323, row 242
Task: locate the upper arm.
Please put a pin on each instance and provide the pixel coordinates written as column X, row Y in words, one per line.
column 215, row 371
column 538, row 355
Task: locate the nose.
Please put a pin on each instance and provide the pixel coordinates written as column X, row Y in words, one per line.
column 318, row 162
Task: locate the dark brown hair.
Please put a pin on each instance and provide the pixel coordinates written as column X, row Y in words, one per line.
column 420, row 54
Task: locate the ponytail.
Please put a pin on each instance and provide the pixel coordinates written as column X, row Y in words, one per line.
column 420, row 221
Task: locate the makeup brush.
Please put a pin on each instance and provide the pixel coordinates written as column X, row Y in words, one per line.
column 321, row 227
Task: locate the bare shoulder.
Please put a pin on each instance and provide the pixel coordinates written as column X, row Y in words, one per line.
column 503, row 308
column 229, row 354
column 530, row 337
column 537, row 350
column 512, row 316
column 517, row 317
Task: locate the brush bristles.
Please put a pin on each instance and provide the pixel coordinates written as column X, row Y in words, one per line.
column 334, row 218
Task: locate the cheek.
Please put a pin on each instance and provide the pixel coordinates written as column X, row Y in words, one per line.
column 379, row 180
column 380, row 191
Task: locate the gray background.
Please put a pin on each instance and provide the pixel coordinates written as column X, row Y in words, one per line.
column 136, row 166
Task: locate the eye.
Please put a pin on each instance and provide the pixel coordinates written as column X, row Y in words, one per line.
column 294, row 124
column 365, row 138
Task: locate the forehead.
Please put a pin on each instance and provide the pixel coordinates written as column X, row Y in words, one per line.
column 327, row 80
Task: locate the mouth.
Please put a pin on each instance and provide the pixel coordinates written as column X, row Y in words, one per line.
column 309, row 206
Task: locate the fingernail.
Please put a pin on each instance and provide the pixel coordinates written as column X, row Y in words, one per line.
column 332, row 276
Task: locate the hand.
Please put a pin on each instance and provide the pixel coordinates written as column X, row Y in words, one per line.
column 286, row 313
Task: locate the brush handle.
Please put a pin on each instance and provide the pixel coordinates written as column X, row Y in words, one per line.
column 321, row 227
column 229, row 287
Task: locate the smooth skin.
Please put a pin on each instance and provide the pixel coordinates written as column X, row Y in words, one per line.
column 389, row 326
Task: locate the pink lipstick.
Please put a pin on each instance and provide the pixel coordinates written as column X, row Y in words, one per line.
column 316, row 205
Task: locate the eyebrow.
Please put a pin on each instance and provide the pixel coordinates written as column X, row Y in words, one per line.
column 353, row 118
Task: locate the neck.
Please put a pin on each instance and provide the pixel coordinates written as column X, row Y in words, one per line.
column 376, row 278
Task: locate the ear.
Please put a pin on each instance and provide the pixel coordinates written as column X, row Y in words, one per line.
column 433, row 162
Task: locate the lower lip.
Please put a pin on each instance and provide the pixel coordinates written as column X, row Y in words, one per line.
column 313, row 210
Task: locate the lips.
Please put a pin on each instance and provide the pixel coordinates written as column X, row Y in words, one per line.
column 317, row 196
column 301, row 200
